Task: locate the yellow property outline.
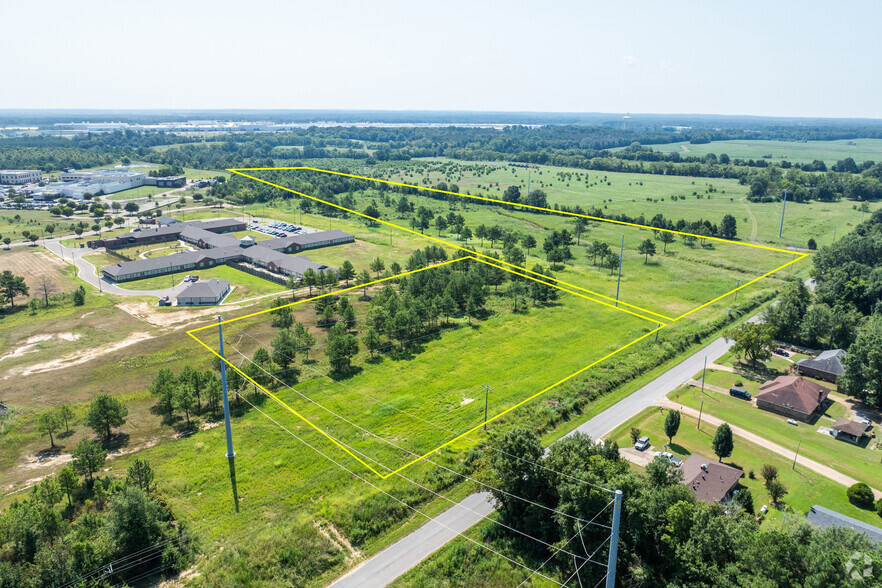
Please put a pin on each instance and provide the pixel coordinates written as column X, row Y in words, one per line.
column 343, row 446
column 594, row 296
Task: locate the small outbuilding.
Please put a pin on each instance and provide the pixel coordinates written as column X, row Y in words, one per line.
column 205, row 292
column 849, row 430
column 826, row 366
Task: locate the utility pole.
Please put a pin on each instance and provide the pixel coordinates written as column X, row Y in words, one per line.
column 614, row 542
column 736, row 291
column 231, row 455
column 797, row 455
column 619, row 282
column 487, row 390
column 783, row 208
column 703, row 372
column 657, row 329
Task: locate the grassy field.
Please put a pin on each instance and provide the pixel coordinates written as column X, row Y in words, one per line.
column 417, row 402
column 796, row 151
column 805, row 488
column 636, row 194
column 671, row 283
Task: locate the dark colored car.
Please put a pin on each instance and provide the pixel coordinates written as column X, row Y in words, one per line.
column 739, row 393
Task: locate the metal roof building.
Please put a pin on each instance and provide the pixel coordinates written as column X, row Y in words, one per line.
column 824, row 517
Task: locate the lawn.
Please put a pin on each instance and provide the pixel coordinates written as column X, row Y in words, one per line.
column 795, row 151
column 859, row 463
column 244, row 285
column 805, row 488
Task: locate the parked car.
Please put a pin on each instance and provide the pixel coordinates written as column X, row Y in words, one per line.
column 642, row 443
column 670, row 457
column 792, row 422
column 739, row 393
column 194, row 278
column 782, row 353
column 164, row 301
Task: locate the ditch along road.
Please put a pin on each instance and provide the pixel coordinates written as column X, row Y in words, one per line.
column 383, row 568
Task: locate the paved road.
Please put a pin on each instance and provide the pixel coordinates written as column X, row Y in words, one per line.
column 396, row 559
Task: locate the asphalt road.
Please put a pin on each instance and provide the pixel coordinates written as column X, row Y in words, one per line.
column 392, row 562
column 398, row 558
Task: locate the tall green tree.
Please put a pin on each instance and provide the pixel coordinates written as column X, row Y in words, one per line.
column 752, row 340
column 863, row 364
column 163, row 388
column 69, row 483
column 347, row 271
column 49, row 423
column 88, row 457
column 12, row 286
column 141, row 475
column 723, row 443
column 106, row 412
column 646, row 248
column 672, row 424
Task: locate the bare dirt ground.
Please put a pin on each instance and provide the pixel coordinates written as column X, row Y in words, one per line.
column 153, row 315
column 32, row 342
column 78, row 358
column 34, row 264
column 641, row 458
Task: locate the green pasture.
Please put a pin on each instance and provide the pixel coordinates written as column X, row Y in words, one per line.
column 795, row 151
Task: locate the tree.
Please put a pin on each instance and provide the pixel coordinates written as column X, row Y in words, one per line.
column 440, row 224
column 141, row 475
column 49, row 492
column 371, row 338
column 131, row 207
column 305, row 339
column 377, row 266
column 347, row 271
column 88, row 457
column 310, row 278
column 79, row 296
column 494, row 234
column 753, row 340
column 863, row 363
column 776, row 490
column 47, row 287
column 529, row 242
column 363, row 280
column 12, row 285
column 105, row 412
column 634, row 433
column 581, row 226
column 163, row 387
column 769, row 473
column 213, row 389
column 744, row 499
column 666, row 239
column 341, row 346
column 662, row 472
column 861, row 495
column 48, row 424
column 723, row 443
column 611, row 262
column 647, row 248
column 135, row 520
column 481, row 233
column 728, row 228
column 672, row 424
column 66, row 414
column 185, row 399
column 69, row 483
column 284, row 346
column 283, row 318
column 812, row 244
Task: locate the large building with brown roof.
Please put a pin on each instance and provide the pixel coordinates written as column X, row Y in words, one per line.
column 709, row 480
column 792, row 396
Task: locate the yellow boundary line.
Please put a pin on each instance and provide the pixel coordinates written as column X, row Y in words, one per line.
column 343, row 446
column 489, row 261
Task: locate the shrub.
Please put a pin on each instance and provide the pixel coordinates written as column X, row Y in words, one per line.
column 879, row 507
column 861, row 495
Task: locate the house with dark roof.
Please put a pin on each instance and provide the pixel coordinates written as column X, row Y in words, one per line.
column 204, row 292
column 826, row 366
column 820, row 516
column 850, row 431
column 709, row 480
column 792, row 396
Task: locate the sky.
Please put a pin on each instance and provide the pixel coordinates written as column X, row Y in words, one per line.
column 775, row 58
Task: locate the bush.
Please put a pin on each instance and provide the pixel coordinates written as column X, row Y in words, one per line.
column 879, row 507
column 861, row 495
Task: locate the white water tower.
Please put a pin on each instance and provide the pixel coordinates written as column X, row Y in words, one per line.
column 626, row 121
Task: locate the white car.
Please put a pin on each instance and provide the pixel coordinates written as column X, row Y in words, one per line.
column 670, row 457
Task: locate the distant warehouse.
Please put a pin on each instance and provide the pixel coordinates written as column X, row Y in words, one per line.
column 20, row 176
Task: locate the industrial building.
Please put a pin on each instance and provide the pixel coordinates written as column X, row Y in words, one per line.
column 216, row 249
column 77, row 183
column 20, row 176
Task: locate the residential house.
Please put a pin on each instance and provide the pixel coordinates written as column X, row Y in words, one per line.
column 849, row 430
column 826, row 366
column 710, row 480
column 792, row 396
column 824, row 517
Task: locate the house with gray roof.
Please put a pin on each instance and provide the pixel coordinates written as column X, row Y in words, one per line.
column 204, row 292
column 826, row 366
column 820, row 516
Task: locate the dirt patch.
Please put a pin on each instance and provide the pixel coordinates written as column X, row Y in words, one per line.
column 331, row 532
column 641, row 458
column 34, row 266
column 79, row 358
column 151, row 314
column 466, row 401
column 31, row 344
column 530, row 223
column 684, row 148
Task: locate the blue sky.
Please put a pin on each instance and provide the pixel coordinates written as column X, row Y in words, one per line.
column 761, row 58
